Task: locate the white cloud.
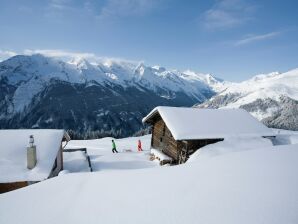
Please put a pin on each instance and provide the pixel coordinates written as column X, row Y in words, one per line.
column 60, row 11
column 59, row 53
column 6, row 54
column 60, row 4
column 121, row 8
column 254, row 38
column 227, row 14
column 64, row 11
column 67, row 56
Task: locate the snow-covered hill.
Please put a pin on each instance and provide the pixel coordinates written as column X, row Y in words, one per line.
column 109, row 97
column 271, row 98
column 228, row 183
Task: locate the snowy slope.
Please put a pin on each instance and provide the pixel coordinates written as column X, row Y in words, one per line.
column 35, row 72
column 215, row 83
column 232, row 188
column 269, row 96
column 90, row 98
column 272, row 86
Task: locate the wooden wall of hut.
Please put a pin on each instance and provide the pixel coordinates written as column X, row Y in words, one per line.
column 188, row 147
column 163, row 140
column 180, row 151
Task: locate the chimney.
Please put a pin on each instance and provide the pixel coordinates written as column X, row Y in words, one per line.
column 31, row 153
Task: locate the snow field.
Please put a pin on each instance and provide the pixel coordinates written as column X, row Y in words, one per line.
column 102, row 158
column 251, row 186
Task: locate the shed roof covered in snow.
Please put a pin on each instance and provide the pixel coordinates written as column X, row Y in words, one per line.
column 193, row 123
column 13, row 154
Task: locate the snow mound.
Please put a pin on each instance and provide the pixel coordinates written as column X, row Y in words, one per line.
column 254, row 186
column 229, row 145
column 159, row 154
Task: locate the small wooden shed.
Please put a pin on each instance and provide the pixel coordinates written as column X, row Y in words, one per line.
column 178, row 132
column 14, row 173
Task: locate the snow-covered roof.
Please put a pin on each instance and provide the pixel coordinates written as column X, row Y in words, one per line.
column 13, row 154
column 193, row 123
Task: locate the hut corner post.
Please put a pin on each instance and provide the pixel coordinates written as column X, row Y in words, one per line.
column 183, row 152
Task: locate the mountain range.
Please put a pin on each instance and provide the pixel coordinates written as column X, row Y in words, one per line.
column 272, row 98
column 109, row 97
column 92, row 99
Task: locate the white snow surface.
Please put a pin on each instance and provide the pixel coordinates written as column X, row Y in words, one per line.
column 75, row 162
column 193, row 123
column 13, row 154
column 252, row 186
column 285, row 137
column 230, row 145
column 160, row 154
column 102, row 158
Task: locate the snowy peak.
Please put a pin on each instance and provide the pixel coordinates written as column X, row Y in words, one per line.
column 35, row 72
column 272, row 98
column 215, row 83
column 264, row 76
column 159, row 68
column 272, row 85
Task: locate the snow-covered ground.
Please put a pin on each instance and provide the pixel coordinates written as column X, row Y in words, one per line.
column 74, row 162
column 102, row 158
column 254, row 182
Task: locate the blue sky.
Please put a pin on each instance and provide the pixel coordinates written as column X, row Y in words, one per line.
column 232, row 39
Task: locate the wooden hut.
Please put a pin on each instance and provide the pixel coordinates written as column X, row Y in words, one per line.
column 46, row 162
column 178, row 132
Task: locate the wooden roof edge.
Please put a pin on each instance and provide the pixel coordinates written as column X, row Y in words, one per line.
column 148, row 118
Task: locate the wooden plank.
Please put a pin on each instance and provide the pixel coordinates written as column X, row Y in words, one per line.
column 74, row 150
column 6, row 187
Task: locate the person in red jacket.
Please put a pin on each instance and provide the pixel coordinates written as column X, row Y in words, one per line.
column 139, row 146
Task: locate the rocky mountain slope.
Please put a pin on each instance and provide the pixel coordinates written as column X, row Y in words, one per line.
column 92, row 99
column 109, row 98
column 272, row 98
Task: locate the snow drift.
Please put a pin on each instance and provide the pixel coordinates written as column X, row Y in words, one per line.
column 254, row 186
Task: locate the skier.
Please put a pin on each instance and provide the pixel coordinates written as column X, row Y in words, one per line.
column 114, row 147
column 139, row 146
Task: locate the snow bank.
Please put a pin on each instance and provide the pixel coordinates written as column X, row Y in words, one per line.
column 285, row 137
column 159, row 154
column 230, row 145
column 254, row 186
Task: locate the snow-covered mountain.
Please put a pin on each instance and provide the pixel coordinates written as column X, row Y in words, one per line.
column 110, row 97
column 272, row 98
column 106, row 97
